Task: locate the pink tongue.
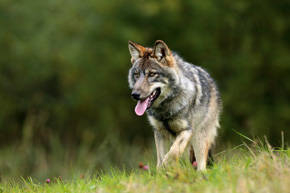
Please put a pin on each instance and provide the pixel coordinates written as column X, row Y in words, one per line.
column 141, row 107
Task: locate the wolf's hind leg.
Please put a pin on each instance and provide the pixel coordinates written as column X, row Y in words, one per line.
column 201, row 151
column 202, row 143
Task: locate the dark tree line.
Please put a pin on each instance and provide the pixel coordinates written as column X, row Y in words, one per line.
column 64, row 64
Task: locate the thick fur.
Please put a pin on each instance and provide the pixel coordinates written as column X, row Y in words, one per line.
column 187, row 108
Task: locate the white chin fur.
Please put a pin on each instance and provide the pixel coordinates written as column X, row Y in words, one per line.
column 164, row 93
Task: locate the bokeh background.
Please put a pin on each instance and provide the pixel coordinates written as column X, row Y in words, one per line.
column 65, row 105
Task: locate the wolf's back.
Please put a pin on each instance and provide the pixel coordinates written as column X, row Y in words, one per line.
column 205, row 97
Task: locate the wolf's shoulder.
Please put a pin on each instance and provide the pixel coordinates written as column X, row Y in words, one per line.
column 189, row 69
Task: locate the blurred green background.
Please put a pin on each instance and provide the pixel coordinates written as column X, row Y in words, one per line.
column 65, row 105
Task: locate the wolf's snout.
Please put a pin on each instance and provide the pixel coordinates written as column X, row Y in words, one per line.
column 136, row 95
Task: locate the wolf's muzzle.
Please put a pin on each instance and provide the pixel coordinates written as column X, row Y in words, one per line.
column 135, row 95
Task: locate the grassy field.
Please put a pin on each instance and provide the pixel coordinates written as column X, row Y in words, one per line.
column 259, row 168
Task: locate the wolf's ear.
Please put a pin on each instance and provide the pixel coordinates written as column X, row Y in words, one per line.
column 136, row 50
column 161, row 51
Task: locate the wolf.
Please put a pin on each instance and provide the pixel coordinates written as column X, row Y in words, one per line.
column 181, row 100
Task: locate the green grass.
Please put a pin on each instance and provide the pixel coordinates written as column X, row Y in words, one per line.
column 259, row 168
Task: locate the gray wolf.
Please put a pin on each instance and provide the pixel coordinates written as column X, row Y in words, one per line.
column 182, row 102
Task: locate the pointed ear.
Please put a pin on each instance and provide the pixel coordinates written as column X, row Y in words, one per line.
column 136, row 50
column 161, row 51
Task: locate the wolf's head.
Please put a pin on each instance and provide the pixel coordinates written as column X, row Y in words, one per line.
column 150, row 76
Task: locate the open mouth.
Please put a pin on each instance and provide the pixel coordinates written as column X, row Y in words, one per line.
column 144, row 104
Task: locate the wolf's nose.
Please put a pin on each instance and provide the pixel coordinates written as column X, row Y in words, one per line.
column 135, row 95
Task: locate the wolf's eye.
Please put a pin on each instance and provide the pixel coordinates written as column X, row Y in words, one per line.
column 151, row 74
column 136, row 75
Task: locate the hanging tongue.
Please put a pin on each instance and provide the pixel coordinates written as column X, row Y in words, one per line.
column 141, row 107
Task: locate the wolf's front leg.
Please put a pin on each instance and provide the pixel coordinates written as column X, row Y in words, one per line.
column 179, row 145
column 160, row 141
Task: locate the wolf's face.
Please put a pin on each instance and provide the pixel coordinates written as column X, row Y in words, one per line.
column 149, row 76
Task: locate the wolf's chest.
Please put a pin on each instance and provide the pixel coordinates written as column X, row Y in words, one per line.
column 173, row 126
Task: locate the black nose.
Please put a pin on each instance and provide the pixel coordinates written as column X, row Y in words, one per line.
column 135, row 95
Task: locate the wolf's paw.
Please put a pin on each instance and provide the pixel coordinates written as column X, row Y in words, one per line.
column 166, row 161
column 159, row 167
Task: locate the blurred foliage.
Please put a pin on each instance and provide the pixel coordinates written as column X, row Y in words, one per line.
column 64, row 65
column 68, row 162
